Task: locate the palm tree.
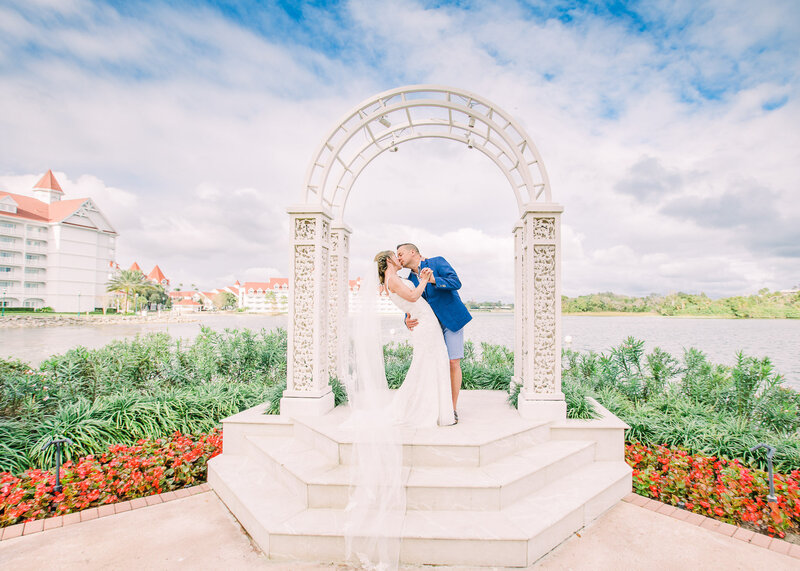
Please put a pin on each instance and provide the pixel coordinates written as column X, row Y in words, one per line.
column 129, row 282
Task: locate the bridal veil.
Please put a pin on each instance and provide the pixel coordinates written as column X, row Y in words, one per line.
column 377, row 503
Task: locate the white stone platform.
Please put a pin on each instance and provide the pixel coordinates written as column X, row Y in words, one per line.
column 495, row 490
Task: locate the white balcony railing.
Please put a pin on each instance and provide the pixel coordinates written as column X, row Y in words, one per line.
column 6, row 231
column 36, row 249
column 40, row 263
column 13, row 290
column 12, row 244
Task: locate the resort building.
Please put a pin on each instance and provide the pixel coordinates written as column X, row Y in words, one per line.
column 53, row 252
column 271, row 296
column 385, row 304
column 186, row 306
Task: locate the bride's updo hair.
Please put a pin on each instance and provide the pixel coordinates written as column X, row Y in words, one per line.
column 381, row 258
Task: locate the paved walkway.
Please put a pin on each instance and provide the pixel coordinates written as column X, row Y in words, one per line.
column 198, row 532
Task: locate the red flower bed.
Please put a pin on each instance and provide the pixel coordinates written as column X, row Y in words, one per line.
column 723, row 489
column 123, row 473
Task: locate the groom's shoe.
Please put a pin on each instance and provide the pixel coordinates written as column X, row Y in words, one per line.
column 455, row 415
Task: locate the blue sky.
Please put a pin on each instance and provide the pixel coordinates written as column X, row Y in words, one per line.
column 670, row 131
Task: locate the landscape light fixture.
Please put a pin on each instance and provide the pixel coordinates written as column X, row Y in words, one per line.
column 384, row 121
column 58, row 443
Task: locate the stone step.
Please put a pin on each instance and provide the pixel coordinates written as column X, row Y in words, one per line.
column 323, row 484
column 516, row 536
column 499, row 484
column 473, row 443
column 259, row 502
column 253, row 422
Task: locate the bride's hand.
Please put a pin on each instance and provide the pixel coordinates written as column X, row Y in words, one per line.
column 426, row 274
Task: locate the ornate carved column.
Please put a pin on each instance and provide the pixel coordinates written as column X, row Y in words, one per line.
column 308, row 391
column 520, row 306
column 539, row 322
column 338, row 297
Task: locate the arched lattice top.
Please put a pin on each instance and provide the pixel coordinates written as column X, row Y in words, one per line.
column 393, row 117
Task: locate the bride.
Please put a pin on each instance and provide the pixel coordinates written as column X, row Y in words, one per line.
column 376, row 508
column 425, row 398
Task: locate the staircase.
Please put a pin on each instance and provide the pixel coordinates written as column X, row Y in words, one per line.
column 495, row 490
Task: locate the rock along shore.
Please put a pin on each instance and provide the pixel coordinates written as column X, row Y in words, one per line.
column 16, row 321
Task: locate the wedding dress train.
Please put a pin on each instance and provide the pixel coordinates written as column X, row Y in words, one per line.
column 425, row 397
column 376, row 508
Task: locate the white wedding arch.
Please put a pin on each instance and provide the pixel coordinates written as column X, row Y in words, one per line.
column 320, row 239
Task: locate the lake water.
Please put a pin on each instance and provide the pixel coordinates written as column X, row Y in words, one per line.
column 720, row 339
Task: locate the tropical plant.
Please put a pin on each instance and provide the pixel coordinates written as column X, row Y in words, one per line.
column 706, row 408
column 224, row 300
column 130, row 282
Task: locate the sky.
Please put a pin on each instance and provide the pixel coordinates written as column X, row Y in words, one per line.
column 670, row 132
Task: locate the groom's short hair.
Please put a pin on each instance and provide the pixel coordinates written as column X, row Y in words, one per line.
column 410, row 246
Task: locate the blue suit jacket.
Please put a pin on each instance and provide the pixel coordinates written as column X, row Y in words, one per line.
column 443, row 296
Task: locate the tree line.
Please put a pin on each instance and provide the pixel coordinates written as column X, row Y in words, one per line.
column 764, row 304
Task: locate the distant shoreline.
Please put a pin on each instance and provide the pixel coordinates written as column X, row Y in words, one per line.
column 632, row 314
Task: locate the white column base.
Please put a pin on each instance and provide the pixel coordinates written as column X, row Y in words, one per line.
column 542, row 407
column 296, row 406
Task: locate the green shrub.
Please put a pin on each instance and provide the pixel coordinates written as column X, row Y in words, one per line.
column 706, row 408
column 147, row 387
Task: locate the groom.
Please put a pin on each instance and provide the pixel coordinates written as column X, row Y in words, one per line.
column 442, row 295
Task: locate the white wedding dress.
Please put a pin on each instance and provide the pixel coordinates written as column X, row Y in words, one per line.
column 425, row 397
column 375, row 515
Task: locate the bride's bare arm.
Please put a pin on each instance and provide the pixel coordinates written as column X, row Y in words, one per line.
column 396, row 285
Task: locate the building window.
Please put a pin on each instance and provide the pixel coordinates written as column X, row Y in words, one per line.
column 6, row 254
column 4, row 269
column 6, row 284
column 7, row 239
column 8, row 225
column 34, row 271
column 32, row 285
column 8, row 208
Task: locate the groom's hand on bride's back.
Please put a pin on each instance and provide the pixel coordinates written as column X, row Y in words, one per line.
column 411, row 323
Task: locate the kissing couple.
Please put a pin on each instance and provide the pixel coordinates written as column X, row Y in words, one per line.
column 435, row 316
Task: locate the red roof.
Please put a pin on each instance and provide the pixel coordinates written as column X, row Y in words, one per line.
column 135, row 267
column 48, row 182
column 182, row 293
column 265, row 285
column 35, row 210
column 157, row 275
column 185, row 302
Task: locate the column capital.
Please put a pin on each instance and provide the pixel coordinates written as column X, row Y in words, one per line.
column 535, row 207
column 310, row 209
column 339, row 225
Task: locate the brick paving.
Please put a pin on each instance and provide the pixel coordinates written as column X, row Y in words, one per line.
column 746, row 535
column 738, row 533
column 39, row 525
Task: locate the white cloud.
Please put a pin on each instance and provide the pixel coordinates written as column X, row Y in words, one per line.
column 193, row 134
